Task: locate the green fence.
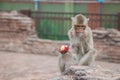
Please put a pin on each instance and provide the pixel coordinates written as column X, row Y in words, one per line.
column 52, row 25
column 55, row 25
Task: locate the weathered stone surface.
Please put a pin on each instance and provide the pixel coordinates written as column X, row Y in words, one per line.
column 109, row 36
column 89, row 73
column 14, row 29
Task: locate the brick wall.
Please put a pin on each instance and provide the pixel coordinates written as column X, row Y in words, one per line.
column 107, row 52
column 14, row 29
column 107, row 42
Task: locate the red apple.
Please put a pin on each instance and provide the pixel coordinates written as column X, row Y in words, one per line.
column 64, row 48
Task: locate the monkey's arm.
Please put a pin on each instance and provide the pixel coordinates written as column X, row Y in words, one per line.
column 71, row 34
column 88, row 58
column 61, row 63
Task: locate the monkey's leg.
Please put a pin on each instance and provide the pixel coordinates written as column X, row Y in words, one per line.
column 88, row 58
column 61, row 64
column 75, row 55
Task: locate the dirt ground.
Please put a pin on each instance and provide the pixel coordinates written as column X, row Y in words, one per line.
column 19, row 66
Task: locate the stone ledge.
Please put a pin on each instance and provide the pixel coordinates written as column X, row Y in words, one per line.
column 89, row 73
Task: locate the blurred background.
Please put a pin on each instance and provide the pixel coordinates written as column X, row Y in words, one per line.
column 53, row 17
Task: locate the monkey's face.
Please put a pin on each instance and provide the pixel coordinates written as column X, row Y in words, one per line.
column 79, row 28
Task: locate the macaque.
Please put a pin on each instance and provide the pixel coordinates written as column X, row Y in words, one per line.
column 81, row 50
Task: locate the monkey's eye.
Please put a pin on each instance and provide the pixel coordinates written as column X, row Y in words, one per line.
column 76, row 25
column 83, row 26
column 79, row 26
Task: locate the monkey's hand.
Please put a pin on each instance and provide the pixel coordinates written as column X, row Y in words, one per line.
column 81, row 34
column 85, row 33
column 88, row 58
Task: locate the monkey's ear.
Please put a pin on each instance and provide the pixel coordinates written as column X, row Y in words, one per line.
column 72, row 18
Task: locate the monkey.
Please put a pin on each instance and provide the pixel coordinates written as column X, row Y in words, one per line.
column 81, row 41
column 81, row 50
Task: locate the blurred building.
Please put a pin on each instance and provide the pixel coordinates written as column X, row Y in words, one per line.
column 86, row 6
